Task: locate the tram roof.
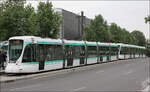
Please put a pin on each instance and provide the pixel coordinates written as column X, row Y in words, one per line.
column 39, row 40
column 91, row 43
column 73, row 42
column 131, row 46
column 23, row 37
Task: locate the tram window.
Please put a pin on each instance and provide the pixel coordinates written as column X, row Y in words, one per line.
column 126, row 50
column 131, row 50
column 49, row 52
column 82, row 51
column 104, row 50
column 92, row 51
column 83, row 48
column 114, row 50
column 58, row 53
column 73, row 51
column 76, row 51
column 54, row 52
column 28, row 54
column 68, row 50
column 122, row 50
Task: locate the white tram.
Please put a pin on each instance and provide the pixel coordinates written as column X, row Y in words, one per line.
column 28, row 54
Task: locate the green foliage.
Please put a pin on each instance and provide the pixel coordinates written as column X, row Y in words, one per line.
column 147, row 19
column 48, row 20
column 148, row 52
column 133, row 39
column 121, row 35
column 98, row 30
column 140, row 38
column 89, row 34
column 126, row 36
column 116, row 33
column 16, row 19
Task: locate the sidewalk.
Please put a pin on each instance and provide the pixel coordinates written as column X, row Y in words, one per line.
column 1, row 71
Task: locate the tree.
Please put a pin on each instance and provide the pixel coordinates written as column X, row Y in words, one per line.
column 89, row 34
column 116, row 33
column 140, row 38
column 16, row 19
column 98, row 30
column 48, row 20
column 119, row 35
column 126, row 36
column 147, row 19
column 133, row 39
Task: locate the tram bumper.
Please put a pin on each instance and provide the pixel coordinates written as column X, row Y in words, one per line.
column 12, row 68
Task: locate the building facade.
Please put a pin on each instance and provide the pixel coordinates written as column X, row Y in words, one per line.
column 71, row 28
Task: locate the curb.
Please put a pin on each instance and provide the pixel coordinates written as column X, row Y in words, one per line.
column 1, row 72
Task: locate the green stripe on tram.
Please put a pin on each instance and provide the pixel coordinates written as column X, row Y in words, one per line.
column 31, row 63
column 104, row 56
column 91, row 44
column 73, row 44
column 49, row 43
column 113, row 55
column 53, row 61
column 76, row 59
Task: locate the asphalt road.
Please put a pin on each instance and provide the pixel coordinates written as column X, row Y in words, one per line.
column 125, row 75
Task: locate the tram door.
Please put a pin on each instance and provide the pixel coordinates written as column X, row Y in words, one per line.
column 101, row 53
column 41, row 57
column 69, row 55
column 82, row 55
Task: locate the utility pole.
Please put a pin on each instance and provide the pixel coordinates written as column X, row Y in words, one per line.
column 82, row 25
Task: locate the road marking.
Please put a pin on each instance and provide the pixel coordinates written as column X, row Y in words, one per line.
column 100, row 71
column 77, row 89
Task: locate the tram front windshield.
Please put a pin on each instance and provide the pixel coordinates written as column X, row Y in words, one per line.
column 15, row 49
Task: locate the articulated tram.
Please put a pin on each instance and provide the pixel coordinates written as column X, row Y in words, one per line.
column 29, row 54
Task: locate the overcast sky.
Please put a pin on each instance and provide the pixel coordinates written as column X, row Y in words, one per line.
column 127, row 14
